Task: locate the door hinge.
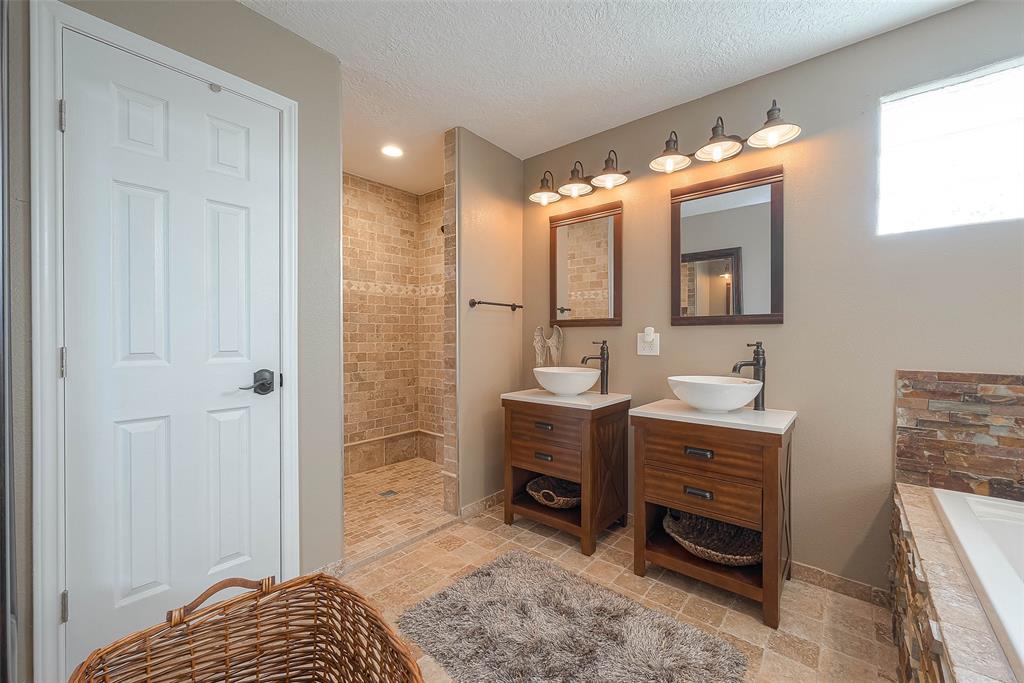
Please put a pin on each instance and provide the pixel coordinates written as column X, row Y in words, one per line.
column 64, row 607
column 281, row 376
column 62, row 370
column 62, row 115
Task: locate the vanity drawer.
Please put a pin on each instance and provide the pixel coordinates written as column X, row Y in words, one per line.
column 703, row 495
column 564, row 463
column 545, row 427
column 674, row 449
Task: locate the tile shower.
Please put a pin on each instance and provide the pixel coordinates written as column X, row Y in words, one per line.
column 393, row 314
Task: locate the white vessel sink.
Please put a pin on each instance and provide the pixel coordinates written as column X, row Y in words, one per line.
column 714, row 394
column 566, row 381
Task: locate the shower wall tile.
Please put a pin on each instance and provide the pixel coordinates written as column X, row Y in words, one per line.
column 392, row 293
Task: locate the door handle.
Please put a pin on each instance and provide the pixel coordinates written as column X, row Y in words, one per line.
column 546, row 457
column 546, row 426
column 262, row 382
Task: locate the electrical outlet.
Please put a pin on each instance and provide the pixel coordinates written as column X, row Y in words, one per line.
column 648, row 348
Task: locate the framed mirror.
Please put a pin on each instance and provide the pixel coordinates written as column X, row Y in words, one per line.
column 727, row 250
column 586, row 267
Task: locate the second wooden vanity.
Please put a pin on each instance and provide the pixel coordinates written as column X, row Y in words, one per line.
column 733, row 467
column 582, row 439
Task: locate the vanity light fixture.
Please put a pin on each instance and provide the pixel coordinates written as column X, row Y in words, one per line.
column 720, row 146
column 610, row 177
column 545, row 193
column 576, row 185
column 670, row 160
column 775, row 130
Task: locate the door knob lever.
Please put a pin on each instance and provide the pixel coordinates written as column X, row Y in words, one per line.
column 262, row 382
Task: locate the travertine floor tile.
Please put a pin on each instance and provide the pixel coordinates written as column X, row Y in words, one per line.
column 821, row 636
column 375, row 523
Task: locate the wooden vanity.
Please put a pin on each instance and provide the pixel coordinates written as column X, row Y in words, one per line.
column 733, row 467
column 583, row 439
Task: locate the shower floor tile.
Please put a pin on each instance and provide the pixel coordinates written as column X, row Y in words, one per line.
column 387, row 506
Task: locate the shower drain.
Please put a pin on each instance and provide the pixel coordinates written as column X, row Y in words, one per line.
column 387, row 494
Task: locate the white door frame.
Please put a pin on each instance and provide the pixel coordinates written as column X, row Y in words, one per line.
column 49, row 18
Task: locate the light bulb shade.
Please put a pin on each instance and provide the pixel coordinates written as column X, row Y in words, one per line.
column 775, row 130
column 576, row 185
column 670, row 160
column 720, row 146
column 609, row 176
column 545, row 194
column 545, row 198
column 669, row 163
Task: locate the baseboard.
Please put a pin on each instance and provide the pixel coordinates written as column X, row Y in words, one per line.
column 483, row 504
column 841, row 584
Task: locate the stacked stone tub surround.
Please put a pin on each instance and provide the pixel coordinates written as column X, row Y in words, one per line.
column 962, row 432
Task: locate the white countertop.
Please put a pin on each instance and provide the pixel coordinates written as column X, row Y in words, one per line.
column 588, row 400
column 770, row 421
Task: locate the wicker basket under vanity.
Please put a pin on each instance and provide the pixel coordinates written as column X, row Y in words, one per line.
column 313, row 628
column 713, row 540
column 554, row 492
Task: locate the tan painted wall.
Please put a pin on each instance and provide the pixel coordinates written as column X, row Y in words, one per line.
column 20, row 273
column 857, row 306
column 490, row 267
column 231, row 37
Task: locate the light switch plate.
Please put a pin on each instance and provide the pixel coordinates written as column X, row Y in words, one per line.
column 648, row 348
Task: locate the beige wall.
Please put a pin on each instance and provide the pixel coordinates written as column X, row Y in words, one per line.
column 231, row 37
column 490, row 267
column 857, row 306
column 20, row 274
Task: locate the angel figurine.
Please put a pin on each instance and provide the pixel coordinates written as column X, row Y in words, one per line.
column 546, row 348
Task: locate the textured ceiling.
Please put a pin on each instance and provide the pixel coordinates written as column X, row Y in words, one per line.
column 533, row 75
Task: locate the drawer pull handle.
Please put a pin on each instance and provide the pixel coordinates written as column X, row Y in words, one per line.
column 546, row 426
column 546, row 457
column 699, row 493
column 702, row 453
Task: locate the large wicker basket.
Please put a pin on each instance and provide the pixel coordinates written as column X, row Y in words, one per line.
column 313, row 628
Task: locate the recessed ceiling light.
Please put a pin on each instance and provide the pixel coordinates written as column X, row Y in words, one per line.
column 391, row 151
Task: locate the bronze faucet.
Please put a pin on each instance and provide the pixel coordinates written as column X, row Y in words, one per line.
column 603, row 357
column 758, row 364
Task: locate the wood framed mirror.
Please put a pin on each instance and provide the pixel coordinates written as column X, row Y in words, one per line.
column 586, row 267
column 726, row 250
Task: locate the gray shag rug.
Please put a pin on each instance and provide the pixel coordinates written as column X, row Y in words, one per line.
column 522, row 619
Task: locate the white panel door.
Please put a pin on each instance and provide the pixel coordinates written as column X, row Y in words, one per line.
column 171, row 298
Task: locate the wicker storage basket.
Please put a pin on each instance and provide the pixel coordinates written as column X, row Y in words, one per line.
column 713, row 540
column 313, row 628
column 554, row 492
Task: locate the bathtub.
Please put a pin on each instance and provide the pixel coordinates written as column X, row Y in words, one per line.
column 989, row 537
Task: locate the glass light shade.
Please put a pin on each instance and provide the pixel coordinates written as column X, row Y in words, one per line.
column 545, row 197
column 773, row 136
column 719, row 151
column 669, row 163
column 576, row 185
column 670, row 160
column 608, row 180
column 775, row 131
column 609, row 176
column 575, row 189
column 545, row 194
column 719, row 146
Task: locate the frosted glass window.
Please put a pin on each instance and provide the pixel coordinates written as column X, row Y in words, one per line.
column 952, row 153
